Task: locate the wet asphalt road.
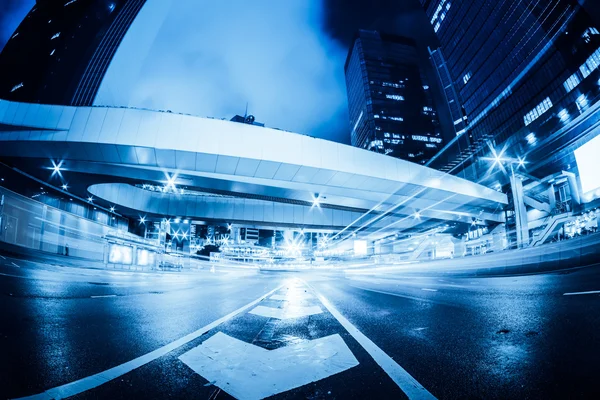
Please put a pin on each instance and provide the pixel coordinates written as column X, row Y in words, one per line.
column 503, row 337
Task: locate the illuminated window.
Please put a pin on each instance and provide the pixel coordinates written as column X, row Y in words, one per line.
column 466, row 77
column 582, row 102
column 396, row 118
column 534, row 114
column 572, row 82
column 589, row 32
column 590, row 64
column 420, row 138
column 396, row 97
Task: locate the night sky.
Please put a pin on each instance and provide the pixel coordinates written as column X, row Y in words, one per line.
column 283, row 58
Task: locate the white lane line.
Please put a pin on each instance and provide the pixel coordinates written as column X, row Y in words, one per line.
column 92, row 381
column 408, row 384
column 4, row 258
column 420, row 329
column 443, row 303
column 576, row 293
column 286, row 313
column 429, row 290
column 102, row 296
column 15, row 265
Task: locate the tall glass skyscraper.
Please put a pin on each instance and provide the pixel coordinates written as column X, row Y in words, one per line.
column 62, row 49
column 526, row 74
column 515, row 66
column 390, row 105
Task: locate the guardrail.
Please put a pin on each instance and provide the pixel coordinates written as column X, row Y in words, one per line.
column 572, row 253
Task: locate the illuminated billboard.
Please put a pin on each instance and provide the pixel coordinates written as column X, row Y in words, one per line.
column 360, row 247
column 588, row 163
column 120, row 254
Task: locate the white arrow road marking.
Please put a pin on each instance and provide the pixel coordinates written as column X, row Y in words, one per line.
column 408, row 384
column 294, row 297
column 92, row 381
column 248, row 372
column 287, row 312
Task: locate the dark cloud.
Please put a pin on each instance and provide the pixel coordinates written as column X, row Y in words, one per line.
column 342, row 18
column 12, row 13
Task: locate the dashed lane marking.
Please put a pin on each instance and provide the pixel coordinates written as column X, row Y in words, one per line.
column 286, row 313
column 577, row 293
column 295, row 297
column 443, row 303
column 4, row 258
column 408, row 384
column 249, row 372
column 93, row 381
column 102, row 296
column 429, row 290
column 15, row 265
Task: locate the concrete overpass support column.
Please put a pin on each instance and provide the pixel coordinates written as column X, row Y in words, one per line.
column 551, row 197
column 522, row 226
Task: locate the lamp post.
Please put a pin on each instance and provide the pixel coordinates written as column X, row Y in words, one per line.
column 522, row 225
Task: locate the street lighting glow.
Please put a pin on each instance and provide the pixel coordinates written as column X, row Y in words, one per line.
column 112, row 209
column 56, row 168
column 186, row 221
column 142, row 220
column 417, row 215
column 316, row 202
column 91, row 199
column 521, row 162
column 65, row 186
column 177, row 220
column 171, row 181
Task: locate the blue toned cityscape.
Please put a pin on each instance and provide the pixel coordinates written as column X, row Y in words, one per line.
column 303, row 199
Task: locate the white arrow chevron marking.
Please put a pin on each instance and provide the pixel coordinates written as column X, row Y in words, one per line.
column 250, row 372
column 287, row 312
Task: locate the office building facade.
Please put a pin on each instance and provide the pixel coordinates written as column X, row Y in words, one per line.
column 521, row 71
column 526, row 75
column 390, row 106
column 61, row 51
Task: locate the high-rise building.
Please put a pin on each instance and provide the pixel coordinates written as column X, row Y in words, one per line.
column 390, row 105
column 61, row 51
column 521, row 72
column 527, row 77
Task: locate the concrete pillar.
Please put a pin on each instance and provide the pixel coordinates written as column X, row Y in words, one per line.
column 551, row 198
column 573, row 187
column 522, row 225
